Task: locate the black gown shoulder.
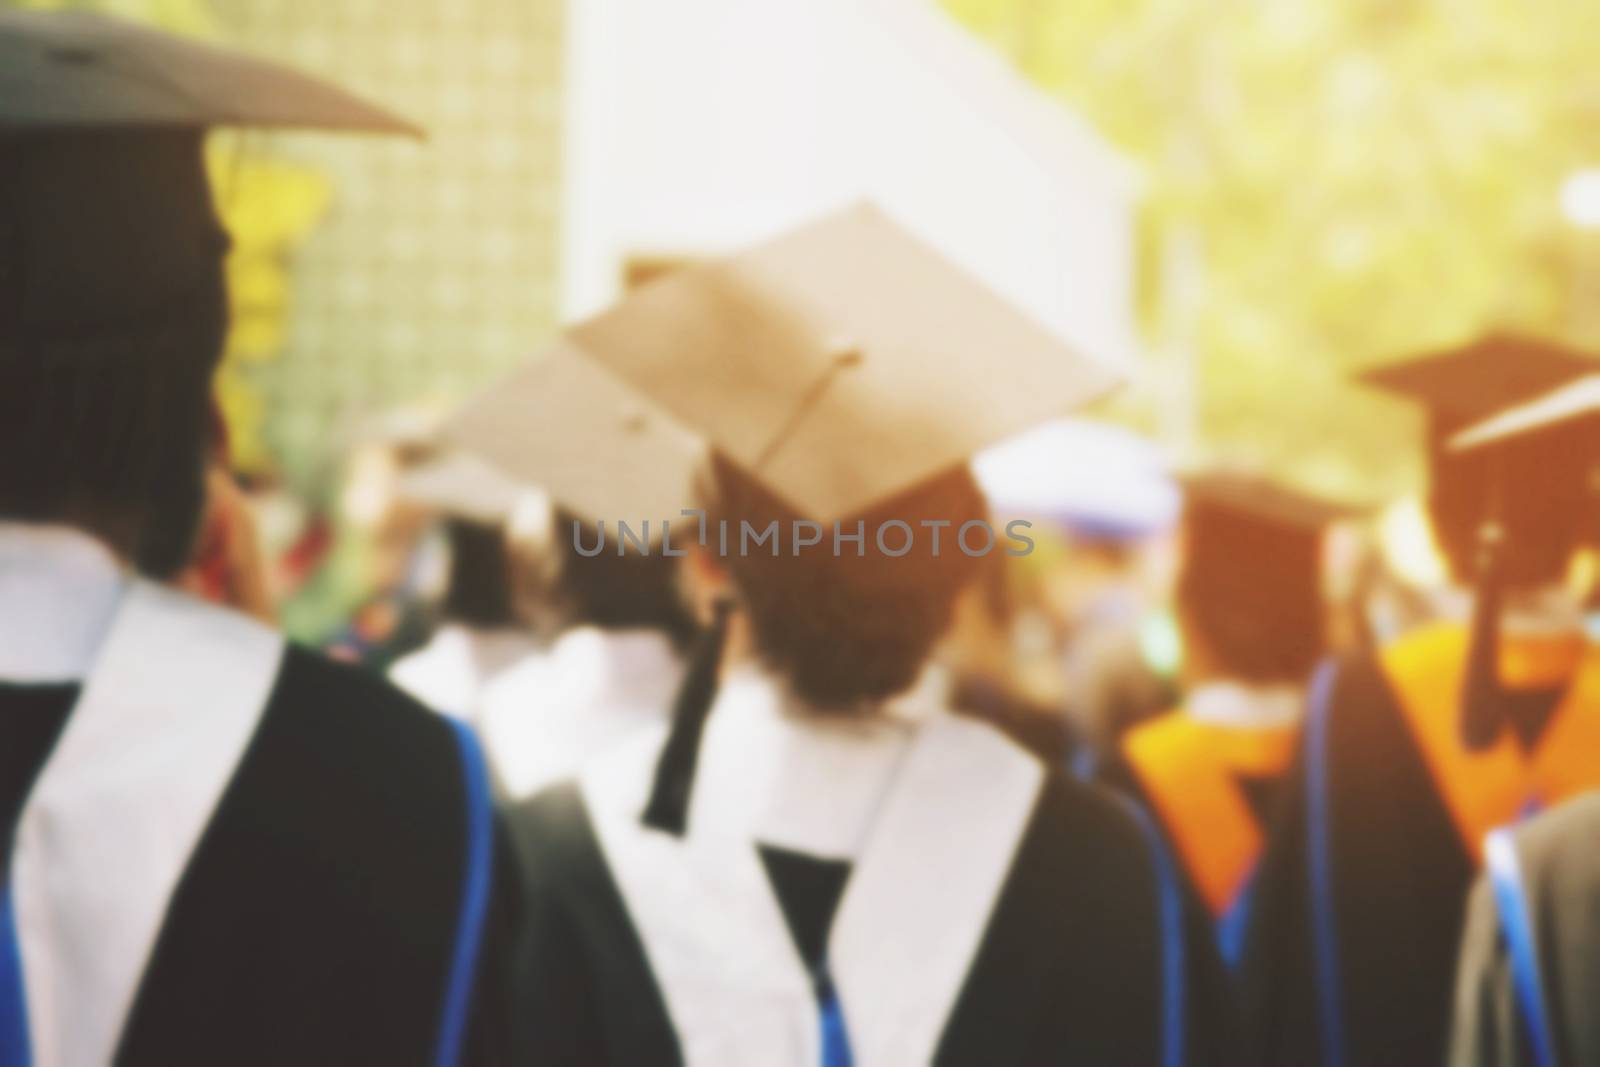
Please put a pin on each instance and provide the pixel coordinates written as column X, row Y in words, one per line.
column 323, row 914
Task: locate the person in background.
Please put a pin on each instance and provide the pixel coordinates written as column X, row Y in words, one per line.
column 976, row 670
column 214, row 847
column 807, row 865
column 481, row 632
column 622, row 624
column 1103, row 502
column 1529, row 971
column 1412, row 755
column 1251, row 613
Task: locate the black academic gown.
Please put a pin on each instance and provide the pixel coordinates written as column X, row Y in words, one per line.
column 347, row 901
column 1214, row 788
column 1529, row 977
column 642, row 948
column 1351, row 952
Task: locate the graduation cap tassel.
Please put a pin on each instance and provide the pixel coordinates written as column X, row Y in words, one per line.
column 1482, row 713
column 668, row 808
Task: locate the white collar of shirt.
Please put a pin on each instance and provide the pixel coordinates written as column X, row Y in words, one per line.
column 775, row 771
column 59, row 589
column 1242, row 704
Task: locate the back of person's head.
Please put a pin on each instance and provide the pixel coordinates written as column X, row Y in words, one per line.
column 113, row 316
column 1249, row 593
column 848, row 630
column 480, row 590
column 1537, row 487
column 620, row 587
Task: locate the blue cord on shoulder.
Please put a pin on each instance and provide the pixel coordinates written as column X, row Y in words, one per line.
column 1516, row 924
column 15, row 1050
column 1319, row 829
column 1174, row 957
column 476, row 882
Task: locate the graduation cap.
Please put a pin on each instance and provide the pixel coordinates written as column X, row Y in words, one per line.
column 838, row 366
column 1559, row 407
column 568, row 425
column 109, row 244
column 1465, row 383
column 74, row 69
column 1461, row 387
column 461, row 486
column 1252, row 570
column 1262, row 500
column 840, row 363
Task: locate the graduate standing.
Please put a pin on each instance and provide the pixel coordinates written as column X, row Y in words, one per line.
column 607, row 586
column 215, row 848
column 480, row 634
column 1412, row 755
column 1251, row 613
column 1529, row 973
column 806, row 868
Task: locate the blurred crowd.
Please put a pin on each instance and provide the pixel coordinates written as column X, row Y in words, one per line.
column 778, row 668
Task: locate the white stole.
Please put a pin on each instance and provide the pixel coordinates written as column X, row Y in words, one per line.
column 170, row 704
column 930, row 811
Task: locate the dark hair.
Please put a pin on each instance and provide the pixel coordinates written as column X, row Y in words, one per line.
column 1545, row 505
column 113, row 313
column 480, row 584
column 630, row 590
column 848, row 630
column 1250, row 590
column 116, row 444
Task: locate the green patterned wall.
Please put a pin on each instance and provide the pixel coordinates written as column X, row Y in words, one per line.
column 435, row 266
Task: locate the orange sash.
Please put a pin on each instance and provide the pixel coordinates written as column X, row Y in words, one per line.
column 1189, row 770
column 1483, row 790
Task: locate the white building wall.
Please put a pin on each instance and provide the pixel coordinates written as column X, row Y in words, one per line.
column 695, row 126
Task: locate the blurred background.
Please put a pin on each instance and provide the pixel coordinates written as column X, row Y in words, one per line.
column 1240, row 202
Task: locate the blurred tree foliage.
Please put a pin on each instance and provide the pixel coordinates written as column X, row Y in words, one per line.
column 268, row 208
column 1356, row 179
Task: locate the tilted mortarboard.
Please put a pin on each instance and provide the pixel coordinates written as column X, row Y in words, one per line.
column 1460, row 387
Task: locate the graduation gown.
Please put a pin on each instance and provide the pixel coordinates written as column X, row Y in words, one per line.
column 218, row 849
column 545, row 718
column 1211, row 775
column 1351, row 953
column 903, row 889
column 1529, row 977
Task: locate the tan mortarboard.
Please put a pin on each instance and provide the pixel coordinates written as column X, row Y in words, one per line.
column 1559, row 407
column 569, row 426
column 461, row 486
column 842, row 363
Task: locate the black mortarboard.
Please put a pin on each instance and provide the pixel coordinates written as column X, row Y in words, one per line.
column 1467, row 382
column 1260, row 499
column 73, row 69
column 1559, row 407
column 109, row 242
column 1251, row 575
column 1461, row 387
